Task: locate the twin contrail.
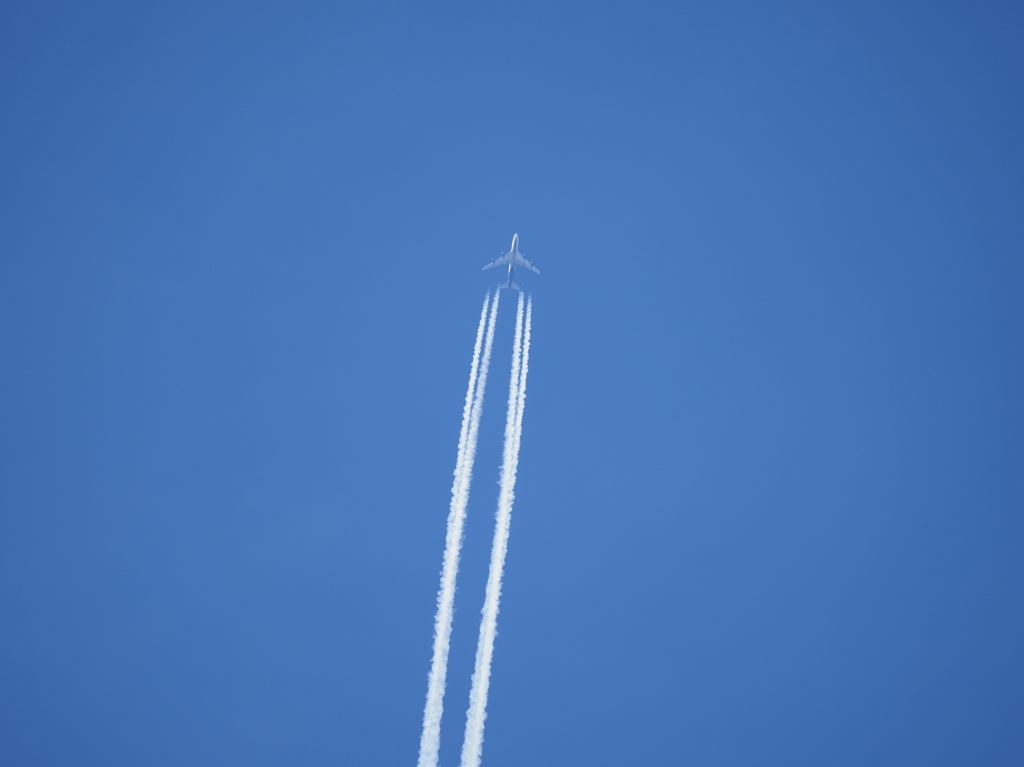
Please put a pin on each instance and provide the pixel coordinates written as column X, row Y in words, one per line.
column 477, row 713
column 430, row 740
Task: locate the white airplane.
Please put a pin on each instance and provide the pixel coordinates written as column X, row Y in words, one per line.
column 513, row 258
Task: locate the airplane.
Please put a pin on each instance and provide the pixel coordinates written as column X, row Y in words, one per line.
column 513, row 258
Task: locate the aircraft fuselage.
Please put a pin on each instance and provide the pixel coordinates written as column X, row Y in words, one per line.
column 513, row 251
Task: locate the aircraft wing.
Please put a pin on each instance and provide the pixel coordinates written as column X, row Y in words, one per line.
column 523, row 262
column 498, row 261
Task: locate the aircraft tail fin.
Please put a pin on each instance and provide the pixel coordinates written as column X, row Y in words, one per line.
column 508, row 285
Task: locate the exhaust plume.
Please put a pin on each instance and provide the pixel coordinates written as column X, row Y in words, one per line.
column 472, row 745
column 430, row 739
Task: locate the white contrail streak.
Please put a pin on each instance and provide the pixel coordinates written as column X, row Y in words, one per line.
column 472, row 745
column 430, row 739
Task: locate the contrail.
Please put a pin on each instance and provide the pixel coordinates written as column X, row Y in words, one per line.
column 430, row 739
column 472, row 745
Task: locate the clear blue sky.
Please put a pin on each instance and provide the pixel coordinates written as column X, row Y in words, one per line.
column 771, row 491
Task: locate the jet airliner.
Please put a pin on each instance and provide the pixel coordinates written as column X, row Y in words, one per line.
column 513, row 258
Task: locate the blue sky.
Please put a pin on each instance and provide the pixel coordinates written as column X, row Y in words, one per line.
column 770, row 498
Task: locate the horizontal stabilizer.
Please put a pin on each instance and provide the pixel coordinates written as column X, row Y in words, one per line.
column 508, row 285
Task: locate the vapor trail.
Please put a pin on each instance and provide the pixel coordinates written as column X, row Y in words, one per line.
column 472, row 745
column 430, row 739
